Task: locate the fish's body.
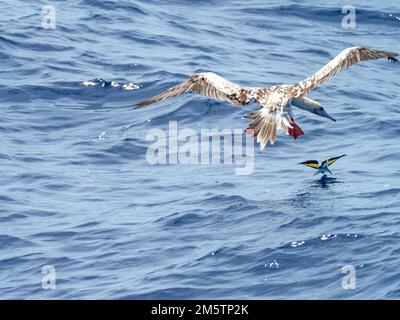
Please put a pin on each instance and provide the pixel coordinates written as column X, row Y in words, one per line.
column 322, row 168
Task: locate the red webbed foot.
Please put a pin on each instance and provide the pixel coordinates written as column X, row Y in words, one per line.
column 296, row 131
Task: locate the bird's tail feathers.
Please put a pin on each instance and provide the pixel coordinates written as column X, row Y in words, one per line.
column 265, row 125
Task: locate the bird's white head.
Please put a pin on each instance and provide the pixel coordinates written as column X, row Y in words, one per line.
column 311, row 106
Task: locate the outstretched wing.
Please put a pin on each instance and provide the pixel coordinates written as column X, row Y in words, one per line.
column 210, row 85
column 342, row 61
column 330, row 161
column 311, row 163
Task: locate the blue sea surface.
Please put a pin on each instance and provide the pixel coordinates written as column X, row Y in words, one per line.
column 77, row 192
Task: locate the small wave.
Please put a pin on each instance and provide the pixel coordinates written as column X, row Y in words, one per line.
column 9, row 242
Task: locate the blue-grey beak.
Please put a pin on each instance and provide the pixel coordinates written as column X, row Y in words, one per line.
column 325, row 114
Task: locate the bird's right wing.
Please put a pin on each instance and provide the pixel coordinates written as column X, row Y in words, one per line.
column 210, row 85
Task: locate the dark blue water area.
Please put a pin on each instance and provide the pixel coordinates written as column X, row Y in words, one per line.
column 78, row 193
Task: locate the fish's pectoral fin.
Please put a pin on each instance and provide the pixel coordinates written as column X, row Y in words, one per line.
column 332, row 160
column 311, row 163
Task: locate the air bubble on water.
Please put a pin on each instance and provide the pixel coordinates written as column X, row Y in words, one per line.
column 112, row 83
column 295, row 244
column 328, row 236
column 273, row 265
column 88, row 83
column 130, row 86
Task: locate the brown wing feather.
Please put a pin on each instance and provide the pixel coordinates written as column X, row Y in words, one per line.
column 342, row 61
column 207, row 84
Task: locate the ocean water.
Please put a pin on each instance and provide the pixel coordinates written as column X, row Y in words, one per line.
column 78, row 194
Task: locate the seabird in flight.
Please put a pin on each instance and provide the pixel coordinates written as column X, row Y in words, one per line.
column 276, row 101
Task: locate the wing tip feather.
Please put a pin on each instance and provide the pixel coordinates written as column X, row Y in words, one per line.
column 143, row 103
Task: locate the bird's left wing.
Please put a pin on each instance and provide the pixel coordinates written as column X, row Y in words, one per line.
column 342, row 61
column 330, row 161
column 311, row 163
column 210, row 85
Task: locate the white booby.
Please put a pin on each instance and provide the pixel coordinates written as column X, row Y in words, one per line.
column 276, row 101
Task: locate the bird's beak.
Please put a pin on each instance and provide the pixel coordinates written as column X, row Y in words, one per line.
column 326, row 115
